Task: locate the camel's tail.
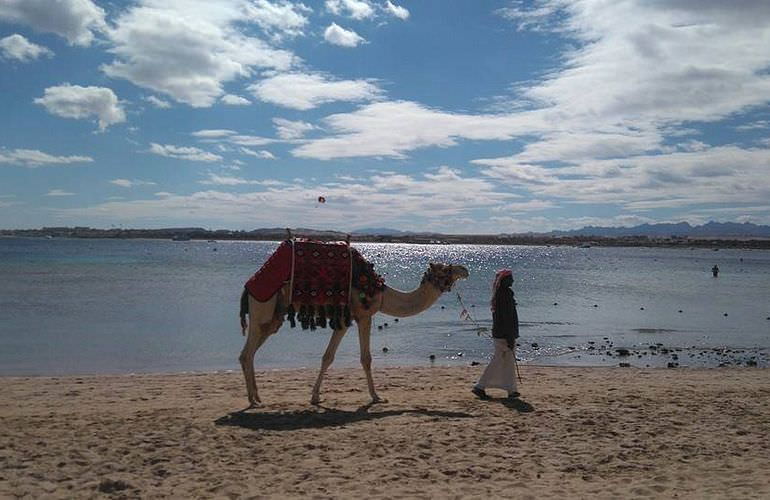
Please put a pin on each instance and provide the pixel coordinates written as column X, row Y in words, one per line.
column 244, row 310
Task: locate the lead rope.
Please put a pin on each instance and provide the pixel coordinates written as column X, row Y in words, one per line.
column 466, row 315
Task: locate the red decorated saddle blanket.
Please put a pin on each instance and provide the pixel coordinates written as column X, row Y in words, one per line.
column 319, row 273
column 272, row 275
column 322, row 273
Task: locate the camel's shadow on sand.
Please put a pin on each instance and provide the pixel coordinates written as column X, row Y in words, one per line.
column 320, row 417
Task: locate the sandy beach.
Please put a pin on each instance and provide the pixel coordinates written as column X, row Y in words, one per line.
column 583, row 432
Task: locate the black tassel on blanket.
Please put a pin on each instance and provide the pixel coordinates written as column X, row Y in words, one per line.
column 314, row 317
column 321, row 317
column 303, row 317
column 311, row 315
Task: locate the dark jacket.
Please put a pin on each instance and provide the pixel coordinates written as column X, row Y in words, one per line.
column 505, row 320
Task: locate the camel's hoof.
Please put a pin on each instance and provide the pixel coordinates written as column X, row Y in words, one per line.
column 377, row 399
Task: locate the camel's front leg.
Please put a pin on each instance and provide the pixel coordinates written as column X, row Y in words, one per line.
column 326, row 361
column 364, row 330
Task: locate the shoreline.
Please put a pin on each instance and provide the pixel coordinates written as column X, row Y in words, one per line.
column 382, row 367
column 598, row 431
column 605, row 355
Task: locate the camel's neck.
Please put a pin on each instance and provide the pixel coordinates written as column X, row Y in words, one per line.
column 402, row 304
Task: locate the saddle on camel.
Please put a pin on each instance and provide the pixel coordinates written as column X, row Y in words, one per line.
column 321, row 278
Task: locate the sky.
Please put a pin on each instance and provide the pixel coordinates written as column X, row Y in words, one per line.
column 452, row 116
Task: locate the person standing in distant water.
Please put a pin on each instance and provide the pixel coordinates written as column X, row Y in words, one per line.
column 715, row 270
column 501, row 370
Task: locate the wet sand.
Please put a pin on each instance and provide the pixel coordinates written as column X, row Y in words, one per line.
column 579, row 432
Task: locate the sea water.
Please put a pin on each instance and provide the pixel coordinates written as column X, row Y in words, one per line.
column 73, row 306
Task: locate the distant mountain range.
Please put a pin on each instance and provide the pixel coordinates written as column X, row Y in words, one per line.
column 682, row 229
column 380, row 231
column 662, row 230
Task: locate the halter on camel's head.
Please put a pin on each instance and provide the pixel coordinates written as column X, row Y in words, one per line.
column 443, row 276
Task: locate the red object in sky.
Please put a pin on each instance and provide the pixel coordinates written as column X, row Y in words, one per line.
column 321, row 199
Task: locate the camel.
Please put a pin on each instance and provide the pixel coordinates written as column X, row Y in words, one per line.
column 265, row 318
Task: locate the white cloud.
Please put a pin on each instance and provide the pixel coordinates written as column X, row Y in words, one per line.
column 75, row 20
column 234, row 100
column 213, row 133
column 249, row 140
column 17, row 47
column 59, row 192
column 291, row 130
column 355, row 9
column 226, row 180
column 126, row 183
column 577, row 145
column 755, row 125
column 305, row 91
column 536, row 18
column 337, row 35
column 74, row 101
column 526, row 206
column 33, row 158
column 226, row 138
column 396, row 10
column 188, row 49
column 390, row 129
column 279, row 19
column 157, row 102
column 6, row 200
column 658, row 62
column 263, row 154
column 722, row 175
column 515, row 173
column 183, row 152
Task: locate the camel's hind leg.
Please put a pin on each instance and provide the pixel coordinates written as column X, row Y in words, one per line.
column 326, row 361
column 255, row 339
column 262, row 324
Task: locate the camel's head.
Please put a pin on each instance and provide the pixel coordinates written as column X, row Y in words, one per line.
column 443, row 276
